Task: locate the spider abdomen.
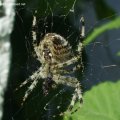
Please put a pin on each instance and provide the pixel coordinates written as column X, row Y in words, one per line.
column 54, row 48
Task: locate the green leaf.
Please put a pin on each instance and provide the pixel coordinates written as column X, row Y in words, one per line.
column 118, row 53
column 114, row 24
column 102, row 102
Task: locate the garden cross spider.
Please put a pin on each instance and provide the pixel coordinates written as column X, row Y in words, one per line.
column 55, row 53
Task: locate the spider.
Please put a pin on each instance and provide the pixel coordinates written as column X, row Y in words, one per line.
column 55, row 53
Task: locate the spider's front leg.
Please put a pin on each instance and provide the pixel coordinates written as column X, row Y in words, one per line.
column 72, row 82
column 82, row 36
column 82, row 33
column 34, row 32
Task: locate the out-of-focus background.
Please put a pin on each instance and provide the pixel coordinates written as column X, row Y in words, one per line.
column 101, row 58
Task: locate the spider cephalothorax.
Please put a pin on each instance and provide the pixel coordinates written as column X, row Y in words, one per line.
column 55, row 53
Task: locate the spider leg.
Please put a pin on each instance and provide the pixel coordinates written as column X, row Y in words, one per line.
column 30, row 79
column 34, row 32
column 82, row 36
column 67, row 71
column 82, row 33
column 67, row 63
column 72, row 82
column 35, row 77
column 27, row 93
column 23, row 84
column 76, row 95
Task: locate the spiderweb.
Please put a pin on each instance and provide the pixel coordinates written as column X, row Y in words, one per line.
column 100, row 58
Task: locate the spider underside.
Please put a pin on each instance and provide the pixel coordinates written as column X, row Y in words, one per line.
column 55, row 53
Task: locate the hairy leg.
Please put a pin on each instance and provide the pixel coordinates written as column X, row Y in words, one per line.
column 82, row 32
column 29, row 90
column 34, row 32
column 34, row 78
column 67, row 71
column 30, row 79
column 67, row 63
column 82, row 36
column 72, row 82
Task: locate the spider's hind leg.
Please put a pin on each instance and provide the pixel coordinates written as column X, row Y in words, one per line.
column 72, row 82
column 77, row 95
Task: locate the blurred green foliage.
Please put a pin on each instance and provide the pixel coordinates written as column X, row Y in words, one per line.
column 100, row 103
column 114, row 24
column 118, row 53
